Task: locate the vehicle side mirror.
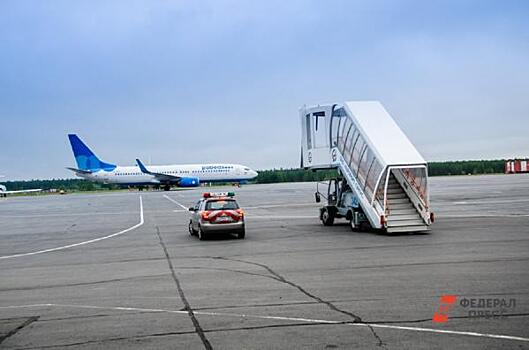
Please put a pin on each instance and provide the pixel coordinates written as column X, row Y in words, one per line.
column 191, row 209
column 318, row 198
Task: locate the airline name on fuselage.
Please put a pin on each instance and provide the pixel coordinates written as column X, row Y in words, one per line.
column 209, row 167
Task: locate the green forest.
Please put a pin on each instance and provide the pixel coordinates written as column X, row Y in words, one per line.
column 465, row 167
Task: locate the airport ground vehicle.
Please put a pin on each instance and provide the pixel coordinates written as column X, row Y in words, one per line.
column 383, row 169
column 341, row 202
column 515, row 166
column 216, row 213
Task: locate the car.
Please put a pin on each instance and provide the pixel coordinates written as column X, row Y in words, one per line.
column 216, row 213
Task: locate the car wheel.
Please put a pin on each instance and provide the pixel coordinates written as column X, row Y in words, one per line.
column 192, row 231
column 327, row 217
column 201, row 234
column 241, row 235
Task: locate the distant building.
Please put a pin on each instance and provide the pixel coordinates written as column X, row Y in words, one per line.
column 515, row 166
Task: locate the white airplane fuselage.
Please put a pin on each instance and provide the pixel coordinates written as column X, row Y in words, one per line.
column 132, row 175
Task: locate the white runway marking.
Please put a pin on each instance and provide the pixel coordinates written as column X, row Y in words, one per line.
column 482, row 216
column 279, row 318
column 81, row 243
column 62, row 215
column 283, row 205
column 175, row 202
column 479, row 201
column 444, row 331
column 250, row 216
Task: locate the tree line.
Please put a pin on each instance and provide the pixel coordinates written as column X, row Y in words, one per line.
column 464, row 167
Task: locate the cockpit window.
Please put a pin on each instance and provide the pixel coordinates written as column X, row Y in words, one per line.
column 246, row 169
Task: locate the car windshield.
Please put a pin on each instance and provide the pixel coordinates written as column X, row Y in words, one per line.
column 222, row 204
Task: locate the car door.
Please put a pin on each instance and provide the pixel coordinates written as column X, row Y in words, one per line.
column 195, row 215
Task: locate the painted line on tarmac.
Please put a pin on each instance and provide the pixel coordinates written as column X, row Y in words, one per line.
column 175, row 202
column 63, row 215
column 264, row 217
column 281, row 216
column 284, row 205
column 278, row 318
column 81, row 243
column 444, row 331
column 477, row 201
column 483, row 216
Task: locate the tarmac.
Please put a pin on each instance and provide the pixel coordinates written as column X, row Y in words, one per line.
column 120, row 270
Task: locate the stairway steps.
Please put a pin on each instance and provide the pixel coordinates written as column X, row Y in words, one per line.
column 399, row 217
column 413, row 228
column 394, row 206
column 402, row 211
column 393, row 196
column 398, row 201
column 412, row 222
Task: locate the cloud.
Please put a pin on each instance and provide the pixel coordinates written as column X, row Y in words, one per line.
column 184, row 82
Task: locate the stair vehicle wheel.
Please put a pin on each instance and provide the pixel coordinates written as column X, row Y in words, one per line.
column 327, row 217
column 241, row 234
column 354, row 227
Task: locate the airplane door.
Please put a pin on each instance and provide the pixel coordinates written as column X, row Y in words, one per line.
column 321, row 137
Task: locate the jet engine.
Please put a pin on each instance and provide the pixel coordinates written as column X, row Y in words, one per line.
column 189, row 182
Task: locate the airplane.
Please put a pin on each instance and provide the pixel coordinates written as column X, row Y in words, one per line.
column 4, row 192
column 90, row 167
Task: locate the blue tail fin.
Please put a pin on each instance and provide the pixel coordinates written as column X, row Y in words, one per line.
column 85, row 158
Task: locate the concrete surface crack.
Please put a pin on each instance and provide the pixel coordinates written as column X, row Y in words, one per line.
column 12, row 332
column 187, row 307
column 229, row 270
column 279, row 277
column 82, row 283
column 108, row 340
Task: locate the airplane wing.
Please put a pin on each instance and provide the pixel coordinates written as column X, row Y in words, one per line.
column 3, row 192
column 79, row 171
column 158, row 176
column 22, row 191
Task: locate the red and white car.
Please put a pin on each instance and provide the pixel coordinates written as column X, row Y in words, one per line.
column 216, row 213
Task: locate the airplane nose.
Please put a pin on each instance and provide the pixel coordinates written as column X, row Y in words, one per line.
column 254, row 173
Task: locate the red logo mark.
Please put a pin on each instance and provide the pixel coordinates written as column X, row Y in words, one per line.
column 446, row 303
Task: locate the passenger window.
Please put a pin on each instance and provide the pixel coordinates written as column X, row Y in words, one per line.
column 308, row 131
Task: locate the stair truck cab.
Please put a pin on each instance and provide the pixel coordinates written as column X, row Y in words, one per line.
column 341, row 202
column 378, row 165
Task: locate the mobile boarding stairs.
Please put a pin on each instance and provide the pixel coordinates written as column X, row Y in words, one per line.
column 381, row 165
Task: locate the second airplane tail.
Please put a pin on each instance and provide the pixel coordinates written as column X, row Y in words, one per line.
column 85, row 158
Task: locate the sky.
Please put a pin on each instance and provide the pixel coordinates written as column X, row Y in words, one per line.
column 175, row 82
